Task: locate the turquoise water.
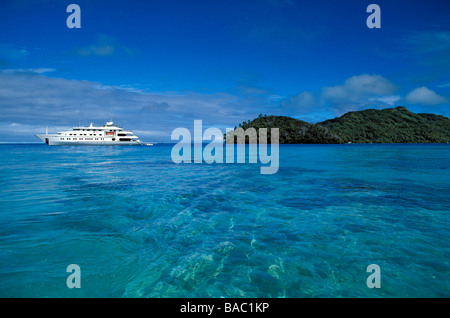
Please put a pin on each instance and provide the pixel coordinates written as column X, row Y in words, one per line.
column 139, row 225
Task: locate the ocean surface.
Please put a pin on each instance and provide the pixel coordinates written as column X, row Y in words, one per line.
column 139, row 225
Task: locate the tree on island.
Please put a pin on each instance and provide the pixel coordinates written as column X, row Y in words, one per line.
column 390, row 125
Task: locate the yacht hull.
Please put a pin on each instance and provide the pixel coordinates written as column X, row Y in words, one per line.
column 54, row 140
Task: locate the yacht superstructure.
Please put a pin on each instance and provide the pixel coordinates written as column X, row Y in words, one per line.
column 108, row 135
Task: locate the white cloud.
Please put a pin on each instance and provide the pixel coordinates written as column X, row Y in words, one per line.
column 389, row 100
column 425, row 96
column 13, row 53
column 20, row 132
column 40, row 70
column 152, row 133
column 33, row 101
column 300, row 102
column 357, row 92
column 358, row 89
column 423, row 42
column 445, row 84
column 104, row 46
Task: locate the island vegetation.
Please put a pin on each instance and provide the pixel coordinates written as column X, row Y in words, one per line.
column 391, row 125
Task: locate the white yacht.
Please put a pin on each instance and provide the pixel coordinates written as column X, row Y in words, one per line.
column 107, row 135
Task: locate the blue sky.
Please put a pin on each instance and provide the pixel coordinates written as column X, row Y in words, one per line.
column 152, row 66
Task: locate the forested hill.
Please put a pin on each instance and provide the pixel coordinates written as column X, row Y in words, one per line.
column 292, row 131
column 391, row 125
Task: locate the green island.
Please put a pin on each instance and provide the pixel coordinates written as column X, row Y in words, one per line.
column 390, row 125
